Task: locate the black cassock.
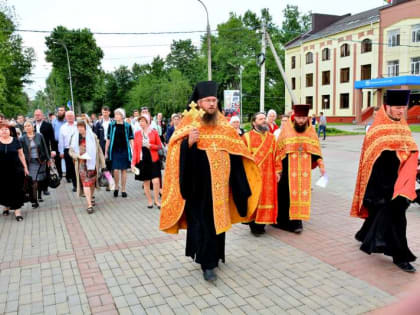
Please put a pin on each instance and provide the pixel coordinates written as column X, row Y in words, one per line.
column 384, row 231
column 203, row 245
column 283, row 197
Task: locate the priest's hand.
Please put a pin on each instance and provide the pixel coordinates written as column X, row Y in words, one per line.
column 322, row 170
column 278, row 176
column 193, row 137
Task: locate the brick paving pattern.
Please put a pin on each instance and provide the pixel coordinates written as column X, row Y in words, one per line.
column 60, row 260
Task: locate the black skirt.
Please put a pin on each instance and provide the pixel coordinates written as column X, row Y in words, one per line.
column 148, row 169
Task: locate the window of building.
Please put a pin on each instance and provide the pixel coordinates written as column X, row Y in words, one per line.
column 309, row 79
column 309, row 58
column 344, row 75
column 325, row 77
column 415, row 33
column 326, row 54
column 310, row 101
column 344, row 100
column 366, row 45
column 293, row 83
column 393, row 68
column 394, row 38
column 345, row 50
column 325, row 102
column 293, row 62
column 415, row 65
column 366, row 72
column 369, row 99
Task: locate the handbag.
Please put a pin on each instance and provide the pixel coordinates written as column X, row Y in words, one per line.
column 28, row 193
column 53, row 176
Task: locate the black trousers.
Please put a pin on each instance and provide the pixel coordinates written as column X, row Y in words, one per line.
column 57, row 161
column 70, row 172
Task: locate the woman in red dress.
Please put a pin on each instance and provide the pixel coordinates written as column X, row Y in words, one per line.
column 271, row 120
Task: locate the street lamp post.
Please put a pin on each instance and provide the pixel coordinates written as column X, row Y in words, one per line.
column 241, row 69
column 208, row 42
column 68, row 64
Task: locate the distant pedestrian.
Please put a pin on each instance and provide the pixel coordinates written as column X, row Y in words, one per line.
column 236, row 123
column 118, row 149
column 271, row 120
column 66, row 132
column 56, row 124
column 313, row 121
column 37, row 156
column 176, row 119
column 13, row 169
column 375, row 111
column 146, row 158
column 88, row 161
column 322, row 126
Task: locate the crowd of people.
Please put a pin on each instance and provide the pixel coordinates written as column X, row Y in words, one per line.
column 216, row 173
column 81, row 148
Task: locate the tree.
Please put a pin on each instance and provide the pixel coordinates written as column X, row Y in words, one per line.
column 85, row 60
column 15, row 66
column 294, row 23
column 184, row 57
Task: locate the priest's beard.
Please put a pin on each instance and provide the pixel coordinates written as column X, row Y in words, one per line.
column 262, row 128
column 210, row 119
column 60, row 117
column 300, row 128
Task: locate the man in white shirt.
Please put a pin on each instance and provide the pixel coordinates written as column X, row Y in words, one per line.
column 66, row 132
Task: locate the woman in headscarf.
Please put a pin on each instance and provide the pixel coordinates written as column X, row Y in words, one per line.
column 271, row 120
column 118, row 149
column 236, row 123
column 36, row 156
column 147, row 144
column 88, row 161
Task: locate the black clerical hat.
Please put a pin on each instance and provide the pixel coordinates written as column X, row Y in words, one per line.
column 204, row 89
column 301, row 110
column 397, row 97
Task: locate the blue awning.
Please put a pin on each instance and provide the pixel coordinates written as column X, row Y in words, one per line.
column 386, row 82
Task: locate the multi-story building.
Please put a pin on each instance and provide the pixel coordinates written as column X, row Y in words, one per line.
column 344, row 63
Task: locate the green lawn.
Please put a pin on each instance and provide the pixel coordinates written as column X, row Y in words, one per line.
column 415, row 128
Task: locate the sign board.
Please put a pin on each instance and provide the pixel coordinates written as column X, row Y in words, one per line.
column 232, row 102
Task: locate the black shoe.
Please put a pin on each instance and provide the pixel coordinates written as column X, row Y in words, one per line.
column 40, row 199
column 6, row 213
column 158, row 206
column 19, row 218
column 209, row 275
column 74, row 189
column 150, row 206
column 257, row 233
column 68, row 180
column 46, row 193
column 406, row 266
column 35, row 205
column 90, row 210
column 115, row 193
column 124, row 194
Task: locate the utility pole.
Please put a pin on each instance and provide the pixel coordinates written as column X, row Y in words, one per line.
column 241, row 69
column 209, row 74
column 262, row 70
column 68, row 64
column 283, row 74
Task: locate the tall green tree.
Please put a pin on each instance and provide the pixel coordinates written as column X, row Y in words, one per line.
column 85, row 60
column 16, row 64
column 294, row 23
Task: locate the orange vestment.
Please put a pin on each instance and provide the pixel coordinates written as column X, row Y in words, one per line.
column 386, row 134
column 299, row 147
column 218, row 141
column 263, row 149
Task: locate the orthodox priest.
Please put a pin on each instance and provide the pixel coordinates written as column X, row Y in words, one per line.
column 299, row 152
column 386, row 182
column 262, row 145
column 211, row 180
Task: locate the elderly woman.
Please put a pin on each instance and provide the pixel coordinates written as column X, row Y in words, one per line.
column 118, row 149
column 88, row 161
column 36, row 156
column 236, row 123
column 271, row 120
column 13, row 169
column 147, row 143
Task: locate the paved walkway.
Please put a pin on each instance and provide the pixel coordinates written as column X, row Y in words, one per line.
column 61, row 260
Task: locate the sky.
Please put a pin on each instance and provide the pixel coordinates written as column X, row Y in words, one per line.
column 145, row 16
